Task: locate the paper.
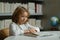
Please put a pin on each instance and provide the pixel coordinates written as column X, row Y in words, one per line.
column 31, row 35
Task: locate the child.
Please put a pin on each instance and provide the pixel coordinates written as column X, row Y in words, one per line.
column 20, row 23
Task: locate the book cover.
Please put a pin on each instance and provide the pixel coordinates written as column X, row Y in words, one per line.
column 32, row 21
column 7, row 8
column 31, row 8
column 7, row 23
column 1, row 24
column 1, row 7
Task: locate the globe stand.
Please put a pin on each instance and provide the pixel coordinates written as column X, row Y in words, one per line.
column 54, row 28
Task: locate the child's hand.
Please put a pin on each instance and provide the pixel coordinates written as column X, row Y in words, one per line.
column 32, row 30
column 26, row 31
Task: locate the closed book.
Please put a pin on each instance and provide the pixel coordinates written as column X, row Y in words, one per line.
column 7, row 8
column 25, row 6
column 1, row 24
column 31, row 8
column 39, row 9
column 38, row 23
column 7, row 23
column 12, row 7
column 32, row 21
column 1, row 7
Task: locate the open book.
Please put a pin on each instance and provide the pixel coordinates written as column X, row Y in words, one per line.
column 43, row 34
column 31, row 35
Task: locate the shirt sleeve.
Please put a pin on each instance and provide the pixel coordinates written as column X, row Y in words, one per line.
column 14, row 30
column 30, row 26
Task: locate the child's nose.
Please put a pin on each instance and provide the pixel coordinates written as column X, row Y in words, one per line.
column 25, row 18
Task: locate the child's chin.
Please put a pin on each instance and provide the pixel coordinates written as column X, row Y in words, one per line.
column 23, row 23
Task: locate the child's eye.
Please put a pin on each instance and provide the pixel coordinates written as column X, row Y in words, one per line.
column 22, row 16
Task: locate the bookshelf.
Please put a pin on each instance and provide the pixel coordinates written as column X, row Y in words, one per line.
column 8, row 15
column 22, row 1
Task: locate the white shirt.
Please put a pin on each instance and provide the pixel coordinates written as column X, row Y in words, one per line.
column 19, row 29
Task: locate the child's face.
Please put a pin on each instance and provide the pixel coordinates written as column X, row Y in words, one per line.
column 23, row 18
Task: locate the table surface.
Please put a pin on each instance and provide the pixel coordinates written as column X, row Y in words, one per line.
column 45, row 35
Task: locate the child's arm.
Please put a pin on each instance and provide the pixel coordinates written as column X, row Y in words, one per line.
column 34, row 28
column 14, row 30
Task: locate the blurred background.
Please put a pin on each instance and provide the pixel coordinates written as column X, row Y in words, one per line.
column 41, row 13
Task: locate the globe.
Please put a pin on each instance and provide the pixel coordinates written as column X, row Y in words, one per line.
column 54, row 21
